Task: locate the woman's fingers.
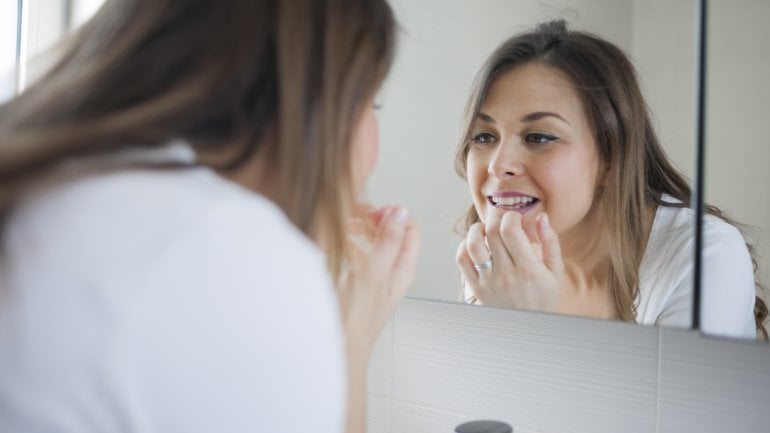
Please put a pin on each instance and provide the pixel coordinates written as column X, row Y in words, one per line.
column 494, row 238
column 476, row 245
column 390, row 237
column 517, row 242
column 550, row 245
column 525, row 274
column 383, row 273
column 465, row 263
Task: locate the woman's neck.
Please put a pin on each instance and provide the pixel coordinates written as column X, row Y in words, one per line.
column 585, row 287
column 587, row 266
column 585, row 252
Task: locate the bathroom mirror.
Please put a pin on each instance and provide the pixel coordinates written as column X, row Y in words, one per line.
column 442, row 46
column 737, row 127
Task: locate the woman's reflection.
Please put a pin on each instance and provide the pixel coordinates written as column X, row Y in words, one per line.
column 576, row 207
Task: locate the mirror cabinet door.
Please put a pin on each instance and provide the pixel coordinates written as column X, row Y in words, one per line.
column 442, row 46
column 737, row 147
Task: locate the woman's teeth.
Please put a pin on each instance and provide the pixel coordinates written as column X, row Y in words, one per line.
column 515, row 202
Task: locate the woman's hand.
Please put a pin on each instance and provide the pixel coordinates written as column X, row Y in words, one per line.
column 384, row 269
column 387, row 241
column 521, row 274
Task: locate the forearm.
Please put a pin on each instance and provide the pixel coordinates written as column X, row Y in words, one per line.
column 358, row 360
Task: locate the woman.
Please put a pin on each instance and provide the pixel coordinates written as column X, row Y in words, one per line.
column 576, row 208
column 179, row 194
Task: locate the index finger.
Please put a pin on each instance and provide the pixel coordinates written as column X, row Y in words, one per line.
column 390, row 236
column 497, row 248
column 517, row 242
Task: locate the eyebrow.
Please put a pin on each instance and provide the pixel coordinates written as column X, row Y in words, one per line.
column 531, row 117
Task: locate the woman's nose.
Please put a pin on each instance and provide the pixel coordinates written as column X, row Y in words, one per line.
column 507, row 161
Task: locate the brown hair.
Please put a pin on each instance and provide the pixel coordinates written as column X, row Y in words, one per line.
column 639, row 173
column 286, row 79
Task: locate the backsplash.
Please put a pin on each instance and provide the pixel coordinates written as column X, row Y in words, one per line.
column 439, row 364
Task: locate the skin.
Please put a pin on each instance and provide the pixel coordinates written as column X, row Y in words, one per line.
column 532, row 139
column 366, row 147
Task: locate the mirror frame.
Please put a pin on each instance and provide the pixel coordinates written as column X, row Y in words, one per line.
column 698, row 169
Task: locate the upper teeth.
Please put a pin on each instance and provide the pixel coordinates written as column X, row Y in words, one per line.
column 509, row 201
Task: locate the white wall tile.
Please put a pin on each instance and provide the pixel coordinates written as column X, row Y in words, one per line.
column 709, row 385
column 412, row 418
column 538, row 372
column 378, row 414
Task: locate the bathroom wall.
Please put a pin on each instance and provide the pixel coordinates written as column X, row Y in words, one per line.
column 667, row 76
column 440, row 364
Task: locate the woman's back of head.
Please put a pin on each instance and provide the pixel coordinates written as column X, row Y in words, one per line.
column 283, row 79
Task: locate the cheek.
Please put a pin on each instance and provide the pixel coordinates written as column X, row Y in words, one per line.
column 569, row 184
column 476, row 169
column 573, row 174
column 366, row 148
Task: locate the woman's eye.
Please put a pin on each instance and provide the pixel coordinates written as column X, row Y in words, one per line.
column 482, row 138
column 539, row 138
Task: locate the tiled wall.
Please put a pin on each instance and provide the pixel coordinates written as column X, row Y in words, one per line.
column 440, row 364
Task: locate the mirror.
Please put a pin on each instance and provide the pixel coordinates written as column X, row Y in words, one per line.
column 737, row 149
column 443, row 45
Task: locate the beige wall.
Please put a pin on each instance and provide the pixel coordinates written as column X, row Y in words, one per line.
column 663, row 50
column 738, row 118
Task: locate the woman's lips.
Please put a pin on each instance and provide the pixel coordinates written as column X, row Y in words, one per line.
column 518, row 202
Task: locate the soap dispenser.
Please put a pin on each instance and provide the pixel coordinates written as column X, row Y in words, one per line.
column 484, row 426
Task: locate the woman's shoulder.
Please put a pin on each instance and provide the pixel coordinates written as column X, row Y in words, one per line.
column 177, row 270
column 665, row 274
column 672, row 239
column 127, row 220
column 674, row 223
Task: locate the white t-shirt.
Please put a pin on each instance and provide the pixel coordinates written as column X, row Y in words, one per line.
column 666, row 276
column 165, row 301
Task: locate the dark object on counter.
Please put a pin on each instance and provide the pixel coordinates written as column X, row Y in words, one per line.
column 484, row 426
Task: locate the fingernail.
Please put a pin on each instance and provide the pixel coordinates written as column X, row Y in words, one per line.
column 400, row 215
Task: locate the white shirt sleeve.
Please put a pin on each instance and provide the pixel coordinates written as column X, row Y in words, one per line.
column 727, row 283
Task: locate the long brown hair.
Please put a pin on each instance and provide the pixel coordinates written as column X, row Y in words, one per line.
column 639, row 172
column 285, row 79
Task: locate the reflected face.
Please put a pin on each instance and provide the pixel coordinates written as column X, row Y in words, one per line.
column 366, row 146
column 532, row 151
